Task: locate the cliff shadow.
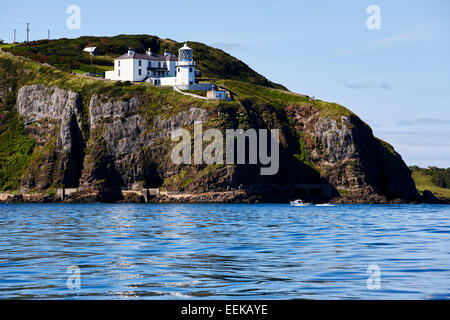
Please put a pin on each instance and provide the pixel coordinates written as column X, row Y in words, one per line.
column 74, row 165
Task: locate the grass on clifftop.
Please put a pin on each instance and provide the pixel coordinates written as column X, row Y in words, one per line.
column 243, row 90
column 423, row 182
column 67, row 54
column 30, row 72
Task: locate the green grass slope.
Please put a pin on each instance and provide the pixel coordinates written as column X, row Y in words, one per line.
column 244, row 90
column 424, row 182
column 68, row 55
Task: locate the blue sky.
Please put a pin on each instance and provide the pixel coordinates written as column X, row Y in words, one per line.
column 397, row 79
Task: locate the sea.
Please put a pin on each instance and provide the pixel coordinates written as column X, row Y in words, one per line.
column 224, row 251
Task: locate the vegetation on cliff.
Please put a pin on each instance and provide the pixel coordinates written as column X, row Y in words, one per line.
column 439, row 177
column 68, row 55
column 15, row 146
column 436, row 180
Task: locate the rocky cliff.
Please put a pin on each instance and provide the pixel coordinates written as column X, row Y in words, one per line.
column 105, row 136
column 361, row 166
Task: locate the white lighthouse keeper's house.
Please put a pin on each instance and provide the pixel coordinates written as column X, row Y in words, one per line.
column 164, row 70
column 157, row 69
column 138, row 67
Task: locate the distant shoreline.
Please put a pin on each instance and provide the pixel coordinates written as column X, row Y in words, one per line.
column 219, row 197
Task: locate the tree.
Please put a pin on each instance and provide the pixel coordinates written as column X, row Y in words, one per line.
column 1, row 41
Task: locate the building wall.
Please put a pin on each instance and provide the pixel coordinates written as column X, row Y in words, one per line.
column 110, row 75
column 126, row 69
column 142, row 68
column 221, row 95
column 185, row 75
column 129, row 71
column 172, row 68
column 216, row 94
column 195, row 86
column 168, row 81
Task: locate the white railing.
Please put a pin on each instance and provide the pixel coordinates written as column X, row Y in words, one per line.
column 185, row 63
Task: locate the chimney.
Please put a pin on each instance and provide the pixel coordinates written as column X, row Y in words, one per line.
column 166, row 53
column 149, row 51
column 130, row 51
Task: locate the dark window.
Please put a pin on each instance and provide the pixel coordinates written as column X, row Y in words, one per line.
column 118, row 63
column 140, row 72
column 178, row 69
column 119, row 73
column 140, row 63
column 190, row 69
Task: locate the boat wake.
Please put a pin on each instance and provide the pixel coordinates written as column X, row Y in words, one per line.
column 300, row 203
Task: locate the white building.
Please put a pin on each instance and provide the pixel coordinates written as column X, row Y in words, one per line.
column 185, row 75
column 217, row 94
column 91, row 50
column 138, row 67
column 165, row 70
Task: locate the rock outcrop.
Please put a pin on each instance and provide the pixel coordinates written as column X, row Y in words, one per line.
column 352, row 159
column 52, row 116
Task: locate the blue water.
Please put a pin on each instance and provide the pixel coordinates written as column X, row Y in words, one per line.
column 231, row 251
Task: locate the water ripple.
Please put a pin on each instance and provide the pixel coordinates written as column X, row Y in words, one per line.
column 264, row 251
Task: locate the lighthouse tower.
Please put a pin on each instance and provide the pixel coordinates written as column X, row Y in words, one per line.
column 185, row 68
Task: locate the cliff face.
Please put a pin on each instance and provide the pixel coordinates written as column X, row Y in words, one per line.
column 351, row 158
column 108, row 136
column 111, row 152
column 52, row 117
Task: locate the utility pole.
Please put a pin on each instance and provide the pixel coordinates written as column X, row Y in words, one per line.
column 14, row 36
column 48, row 34
column 28, row 32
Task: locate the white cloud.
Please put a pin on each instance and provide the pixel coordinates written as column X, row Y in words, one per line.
column 365, row 85
column 424, row 121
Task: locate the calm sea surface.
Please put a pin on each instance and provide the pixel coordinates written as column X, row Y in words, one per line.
column 232, row 251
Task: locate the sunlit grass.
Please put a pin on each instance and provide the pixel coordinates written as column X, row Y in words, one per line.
column 423, row 182
column 7, row 45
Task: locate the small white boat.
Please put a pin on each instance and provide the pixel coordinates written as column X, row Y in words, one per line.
column 325, row 205
column 300, row 203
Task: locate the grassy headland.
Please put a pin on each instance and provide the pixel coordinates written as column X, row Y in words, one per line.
column 68, row 55
column 425, row 179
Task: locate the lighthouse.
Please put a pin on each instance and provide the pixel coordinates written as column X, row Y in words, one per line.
column 185, row 68
column 166, row 70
